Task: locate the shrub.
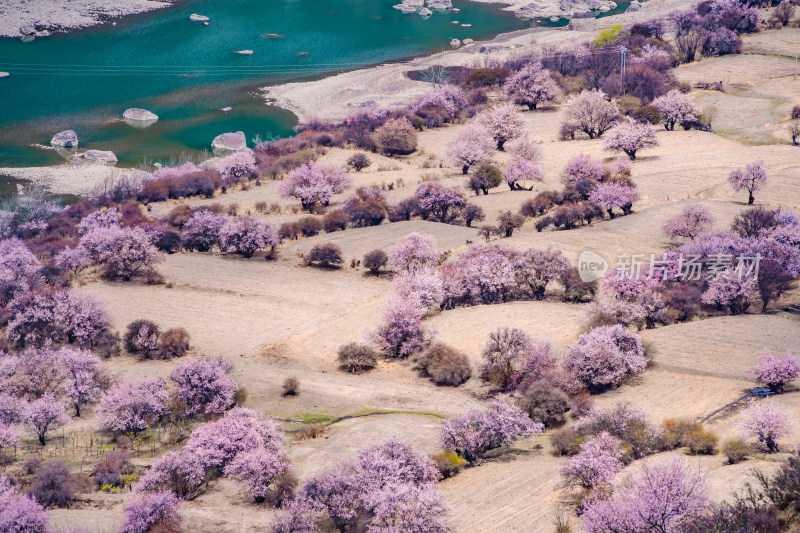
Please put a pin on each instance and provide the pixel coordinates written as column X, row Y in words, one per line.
column 110, row 471
column 367, row 207
column 690, row 434
column 52, row 485
column 336, row 220
column 289, row 231
column 476, row 432
column 598, row 460
column 507, row 222
column 169, row 242
column 607, row 36
column 310, row 431
column 174, row 343
column 445, row 365
column 448, row 463
column 310, row 226
column 357, row 358
column 324, row 256
column 485, row 177
column 486, row 77
column 415, row 251
column 736, row 450
column 291, row 387
column 141, row 337
column 358, row 162
column 694, row 220
column 396, row 137
column 375, row 261
column 543, row 403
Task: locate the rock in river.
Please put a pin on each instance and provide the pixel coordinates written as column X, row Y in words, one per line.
column 229, row 142
column 135, row 113
column 66, row 139
column 100, row 156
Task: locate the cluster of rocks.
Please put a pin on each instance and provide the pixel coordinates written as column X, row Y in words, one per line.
column 564, row 8
column 419, row 6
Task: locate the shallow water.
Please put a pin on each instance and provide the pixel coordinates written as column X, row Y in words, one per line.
column 185, row 72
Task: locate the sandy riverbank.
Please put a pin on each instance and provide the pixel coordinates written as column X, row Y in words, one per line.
column 335, row 97
column 68, row 178
column 67, row 14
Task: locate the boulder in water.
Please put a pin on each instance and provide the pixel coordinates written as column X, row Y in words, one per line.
column 244, row 52
column 136, row 113
column 65, row 139
column 4, row 74
column 100, row 156
column 194, row 17
column 28, row 29
column 229, row 142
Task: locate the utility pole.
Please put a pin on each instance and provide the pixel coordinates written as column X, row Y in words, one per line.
column 622, row 52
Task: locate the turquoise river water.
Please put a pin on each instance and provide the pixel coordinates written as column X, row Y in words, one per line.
column 185, row 72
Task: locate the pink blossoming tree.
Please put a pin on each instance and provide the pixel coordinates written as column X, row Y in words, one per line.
column 201, row 231
column 204, row 385
column 402, row 333
column 314, row 183
column 531, row 86
column 247, row 235
column 510, row 357
column 630, row 136
column 86, row 378
column 149, row 510
column 20, row 513
column 473, row 144
column 613, row 195
column 603, row 356
column 750, row 178
column 774, row 371
column 520, row 170
column 44, row 415
column 583, row 168
column 661, row 497
column 415, row 251
column 19, row 270
column 693, row 220
column 590, row 112
column 767, row 422
column 441, row 203
column 597, row 462
column 128, row 407
column 676, row 107
column 474, row 433
column 503, row 122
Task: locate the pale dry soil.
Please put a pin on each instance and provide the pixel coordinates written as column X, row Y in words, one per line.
column 277, row 319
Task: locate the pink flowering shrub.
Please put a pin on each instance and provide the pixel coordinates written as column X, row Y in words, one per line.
column 31, row 374
column 473, row 144
column 204, row 385
column 131, row 408
column 503, row 122
column 387, row 487
column 613, row 195
column 597, row 462
column 415, row 251
column 20, row 513
column 402, row 333
column 531, row 86
column 246, row 235
column 751, row 178
column 259, row 470
column 233, row 167
column 519, row 170
column 525, row 147
column 448, row 97
column 149, row 510
column 630, row 136
column 58, row 317
column 603, row 356
column 45, row 414
column 100, row 219
column 8, row 435
column 201, row 232
column 676, row 107
column 440, row 203
column 767, row 422
column 314, row 184
column 661, row 497
column 474, row 433
column 590, row 112
column 181, row 171
column 775, row 372
column 693, row 220
column 19, row 270
column 510, row 357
